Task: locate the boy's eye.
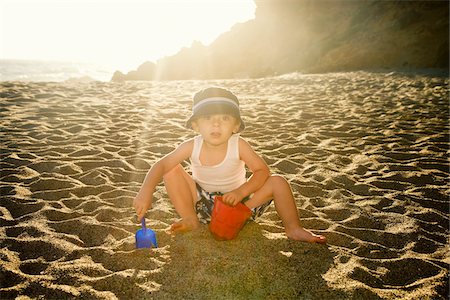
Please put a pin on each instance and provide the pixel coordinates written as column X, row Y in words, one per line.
column 205, row 117
column 221, row 117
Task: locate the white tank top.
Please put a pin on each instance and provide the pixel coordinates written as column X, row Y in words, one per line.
column 223, row 177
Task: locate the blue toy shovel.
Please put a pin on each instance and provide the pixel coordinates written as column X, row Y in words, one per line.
column 145, row 237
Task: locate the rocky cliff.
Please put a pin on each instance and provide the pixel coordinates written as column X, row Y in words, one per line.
column 315, row 36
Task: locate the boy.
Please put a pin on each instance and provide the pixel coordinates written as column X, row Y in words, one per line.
column 218, row 158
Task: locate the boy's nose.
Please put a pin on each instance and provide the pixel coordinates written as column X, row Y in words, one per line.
column 216, row 120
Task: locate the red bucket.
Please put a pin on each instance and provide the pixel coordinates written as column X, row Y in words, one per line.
column 227, row 221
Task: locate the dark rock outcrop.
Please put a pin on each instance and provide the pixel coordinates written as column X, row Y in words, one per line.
column 315, row 36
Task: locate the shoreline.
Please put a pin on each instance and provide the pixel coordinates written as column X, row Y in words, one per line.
column 430, row 72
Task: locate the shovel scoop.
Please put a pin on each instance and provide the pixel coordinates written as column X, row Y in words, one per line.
column 145, row 237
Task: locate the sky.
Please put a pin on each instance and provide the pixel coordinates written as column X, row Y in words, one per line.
column 120, row 34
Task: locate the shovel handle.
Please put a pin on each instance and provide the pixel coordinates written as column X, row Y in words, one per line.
column 143, row 223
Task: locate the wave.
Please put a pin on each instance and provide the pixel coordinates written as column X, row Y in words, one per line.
column 38, row 70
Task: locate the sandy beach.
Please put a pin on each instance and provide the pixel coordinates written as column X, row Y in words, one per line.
column 366, row 154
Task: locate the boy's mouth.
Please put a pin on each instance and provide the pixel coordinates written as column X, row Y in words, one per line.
column 215, row 134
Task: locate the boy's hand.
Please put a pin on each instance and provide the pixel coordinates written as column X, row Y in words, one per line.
column 141, row 205
column 232, row 198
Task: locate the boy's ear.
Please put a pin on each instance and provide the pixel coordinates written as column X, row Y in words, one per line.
column 194, row 125
column 237, row 126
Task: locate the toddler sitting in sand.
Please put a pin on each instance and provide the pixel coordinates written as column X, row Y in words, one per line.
column 218, row 158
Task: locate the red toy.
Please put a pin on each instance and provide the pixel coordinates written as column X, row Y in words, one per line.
column 227, row 221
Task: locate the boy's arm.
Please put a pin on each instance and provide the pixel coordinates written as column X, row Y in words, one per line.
column 143, row 200
column 257, row 166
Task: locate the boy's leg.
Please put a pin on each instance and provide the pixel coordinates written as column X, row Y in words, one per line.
column 182, row 192
column 278, row 189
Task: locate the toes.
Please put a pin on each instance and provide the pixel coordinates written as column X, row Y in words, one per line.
column 320, row 239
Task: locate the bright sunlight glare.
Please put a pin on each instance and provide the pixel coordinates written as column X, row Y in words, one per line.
column 118, row 33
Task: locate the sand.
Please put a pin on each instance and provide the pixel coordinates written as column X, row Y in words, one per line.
column 366, row 154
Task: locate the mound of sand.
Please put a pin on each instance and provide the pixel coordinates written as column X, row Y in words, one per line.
column 366, row 154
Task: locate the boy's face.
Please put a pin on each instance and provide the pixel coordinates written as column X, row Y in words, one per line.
column 216, row 128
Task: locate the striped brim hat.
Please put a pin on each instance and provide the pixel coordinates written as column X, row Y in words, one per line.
column 215, row 100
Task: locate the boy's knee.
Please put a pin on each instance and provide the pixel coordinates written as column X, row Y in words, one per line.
column 277, row 180
column 175, row 172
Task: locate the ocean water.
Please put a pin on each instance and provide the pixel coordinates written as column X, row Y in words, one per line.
column 34, row 70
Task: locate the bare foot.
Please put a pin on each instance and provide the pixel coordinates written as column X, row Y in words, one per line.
column 303, row 235
column 183, row 226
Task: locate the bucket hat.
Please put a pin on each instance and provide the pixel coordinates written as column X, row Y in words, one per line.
column 215, row 100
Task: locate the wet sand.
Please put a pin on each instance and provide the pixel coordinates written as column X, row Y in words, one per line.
column 366, row 155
